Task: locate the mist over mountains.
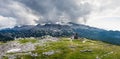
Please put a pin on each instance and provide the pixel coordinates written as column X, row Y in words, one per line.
column 97, row 13
column 58, row 30
column 32, row 12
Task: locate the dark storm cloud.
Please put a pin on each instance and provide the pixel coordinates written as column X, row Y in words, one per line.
column 31, row 12
column 52, row 10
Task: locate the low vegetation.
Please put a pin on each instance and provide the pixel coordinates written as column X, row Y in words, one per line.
column 65, row 48
column 24, row 40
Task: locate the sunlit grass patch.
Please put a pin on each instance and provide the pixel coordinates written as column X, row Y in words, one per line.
column 67, row 48
column 27, row 40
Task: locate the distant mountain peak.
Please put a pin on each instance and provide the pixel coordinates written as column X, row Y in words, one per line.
column 58, row 30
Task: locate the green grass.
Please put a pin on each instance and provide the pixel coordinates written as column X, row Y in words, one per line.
column 1, row 43
column 67, row 49
column 27, row 40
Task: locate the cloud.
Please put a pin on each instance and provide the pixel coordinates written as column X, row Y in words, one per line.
column 31, row 12
column 7, row 22
column 53, row 10
column 105, row 14
column 17, row 11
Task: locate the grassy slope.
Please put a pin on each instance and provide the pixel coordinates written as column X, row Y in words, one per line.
column 76, row 49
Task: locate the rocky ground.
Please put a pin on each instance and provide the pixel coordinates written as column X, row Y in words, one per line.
column 58, row 48
column 18, row 46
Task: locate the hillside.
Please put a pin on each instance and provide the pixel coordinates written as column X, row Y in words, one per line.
column 58, row 30
column 58, row 48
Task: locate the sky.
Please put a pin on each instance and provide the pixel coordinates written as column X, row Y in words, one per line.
column 102, row 14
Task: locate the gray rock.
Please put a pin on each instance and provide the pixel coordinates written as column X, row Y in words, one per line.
column 49, row 53
column 86, row 50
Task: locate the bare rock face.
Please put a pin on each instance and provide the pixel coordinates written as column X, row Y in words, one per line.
column 4, row 48
column 14, row 47
column 27, row 47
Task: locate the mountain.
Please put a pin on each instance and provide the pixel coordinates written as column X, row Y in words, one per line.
column 58, row 30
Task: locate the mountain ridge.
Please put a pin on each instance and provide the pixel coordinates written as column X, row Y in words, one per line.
column 58, row 30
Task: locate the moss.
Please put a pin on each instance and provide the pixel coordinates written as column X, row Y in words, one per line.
column 5, row 57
